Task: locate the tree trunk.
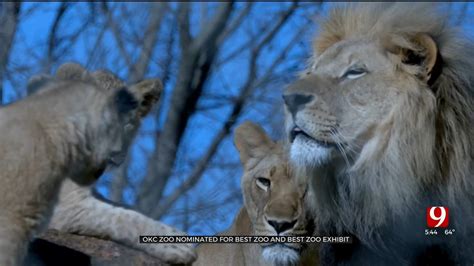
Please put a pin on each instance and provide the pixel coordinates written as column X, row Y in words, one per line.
column 137, row 72
column 197, row 57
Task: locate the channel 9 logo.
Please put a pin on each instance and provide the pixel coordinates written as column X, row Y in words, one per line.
column 437, row 217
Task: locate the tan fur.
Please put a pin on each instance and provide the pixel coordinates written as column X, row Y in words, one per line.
column 78, row 211
column 283, row 201
column 71, row 130
column 400, row 134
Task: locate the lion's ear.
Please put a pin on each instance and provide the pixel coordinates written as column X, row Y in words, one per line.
column 430, row 51
column 72, row 71
column 251, row 141
column 422, row 51
column 147, row 93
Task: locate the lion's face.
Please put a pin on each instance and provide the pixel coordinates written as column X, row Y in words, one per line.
column 363, row 121
column 121, row 117
column 125, row 106
column 347, row 99
column 114, row 113
column 273, row 199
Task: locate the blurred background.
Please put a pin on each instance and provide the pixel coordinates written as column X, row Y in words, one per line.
column 221, row 64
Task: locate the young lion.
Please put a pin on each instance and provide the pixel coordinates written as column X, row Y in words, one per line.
column 273, row 206
column 79, row 211
column 71, row 129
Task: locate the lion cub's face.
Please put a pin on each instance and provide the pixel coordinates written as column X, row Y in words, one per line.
column 112, row 116
column 273, row 199
column 113, row 131
column 347, row 101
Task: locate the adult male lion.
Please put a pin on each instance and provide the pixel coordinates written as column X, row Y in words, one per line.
column 383, row 122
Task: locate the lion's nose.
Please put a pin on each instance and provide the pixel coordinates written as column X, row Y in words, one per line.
column 281, row 226
column 296, row 101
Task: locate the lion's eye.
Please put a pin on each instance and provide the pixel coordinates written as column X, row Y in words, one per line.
column 263, row 183
column 354, row 73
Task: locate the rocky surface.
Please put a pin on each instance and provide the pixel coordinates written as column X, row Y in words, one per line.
column 57, row 248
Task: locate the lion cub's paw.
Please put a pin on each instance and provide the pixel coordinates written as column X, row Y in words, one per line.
column 171, row 253
column 175, row 253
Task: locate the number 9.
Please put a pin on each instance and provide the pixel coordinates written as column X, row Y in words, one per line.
column 439, row 218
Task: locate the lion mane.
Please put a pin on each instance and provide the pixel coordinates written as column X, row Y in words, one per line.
column 424, row 154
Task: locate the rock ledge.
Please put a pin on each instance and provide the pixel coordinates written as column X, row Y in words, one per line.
column 57, row 248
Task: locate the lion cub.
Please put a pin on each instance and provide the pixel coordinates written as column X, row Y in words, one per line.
column 71, row 129
column 79, row 210
column 273, row 205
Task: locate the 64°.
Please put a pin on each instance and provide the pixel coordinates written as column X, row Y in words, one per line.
column 449, row 231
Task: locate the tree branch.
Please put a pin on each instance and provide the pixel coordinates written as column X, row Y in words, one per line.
column 137, row 72
column 116, row 33
column 9, row 12
column 157, row 11
column 214, row 28
column 245, row 92
column 53, row 42
column 282, row 19
column 236, row 23
column 194, row 70
column 183, row 25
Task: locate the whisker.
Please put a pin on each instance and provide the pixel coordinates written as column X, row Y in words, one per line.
column 352, row 147
column 339, row 142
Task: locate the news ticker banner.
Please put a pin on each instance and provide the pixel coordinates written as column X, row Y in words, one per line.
column 155, row 239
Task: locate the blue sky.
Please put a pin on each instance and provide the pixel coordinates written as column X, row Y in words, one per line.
column 29, row 49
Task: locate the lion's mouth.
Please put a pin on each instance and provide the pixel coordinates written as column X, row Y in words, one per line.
column 297, row 131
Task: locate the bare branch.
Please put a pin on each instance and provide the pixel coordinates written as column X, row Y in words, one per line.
column 94, row 53
column 137, row 72
column 116, row 33
column 247, row 89
column 236, row 23
column 251, row 42
column 53, row 42
column 204, row 13
column 8, row 20
column 195, row 65
column 183, row 25
column 157, row 12
column 271, row 34
column 167, row 68
column 213, row 29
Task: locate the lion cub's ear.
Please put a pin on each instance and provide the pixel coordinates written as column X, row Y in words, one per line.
column 421, row 51
column 147, row 93
column 72, row 71
column 252, row 141
column 67, row 71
